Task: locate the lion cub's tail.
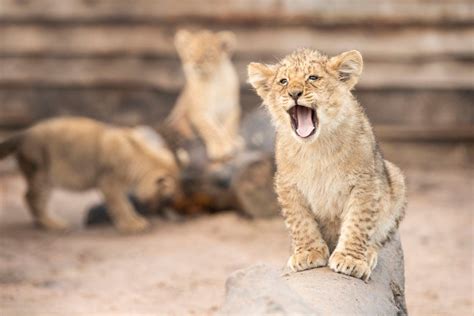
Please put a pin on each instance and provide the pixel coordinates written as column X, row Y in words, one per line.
column 10, row 145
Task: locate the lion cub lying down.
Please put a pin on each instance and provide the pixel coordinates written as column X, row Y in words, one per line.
column 80, row 154
column 336, row 191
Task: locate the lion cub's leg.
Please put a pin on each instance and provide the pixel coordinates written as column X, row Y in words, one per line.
column 351, row 255
column 120, row 210
column 37, row 197
column 355, row 253
column 219, row 145
column 232, row 125
column 373, row 215
column 309, row 248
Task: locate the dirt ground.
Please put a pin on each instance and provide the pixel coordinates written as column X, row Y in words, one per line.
column 180, row 268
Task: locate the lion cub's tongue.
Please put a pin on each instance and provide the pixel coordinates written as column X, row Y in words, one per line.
column 305, row 121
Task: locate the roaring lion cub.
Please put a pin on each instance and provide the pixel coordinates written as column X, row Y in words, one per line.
column 209, row 103
column 80, row 154
column 336, row 191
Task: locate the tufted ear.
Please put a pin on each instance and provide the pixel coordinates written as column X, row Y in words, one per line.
column 260, row 77
column 181, row 38
column 228, row 40
column 348, row 66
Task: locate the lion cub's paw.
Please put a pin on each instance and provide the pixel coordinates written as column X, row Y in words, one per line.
column 134, row 225
column 52, row 224
column 225, row 149
column 220, row 153
column 308, row 259
column 349, row 265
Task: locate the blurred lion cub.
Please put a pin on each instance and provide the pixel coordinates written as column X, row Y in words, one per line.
column 209, row 102
column 336, row 191
column 80, row 154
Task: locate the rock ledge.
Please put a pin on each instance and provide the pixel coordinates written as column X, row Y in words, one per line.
column 263, row 290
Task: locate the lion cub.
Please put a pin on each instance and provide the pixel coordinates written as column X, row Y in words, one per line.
column 209, row 102
column 80, row 154
column 338, row 195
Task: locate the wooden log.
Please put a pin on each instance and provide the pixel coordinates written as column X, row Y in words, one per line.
column 165, row 74
column 244, row 184
column 284, row 11
column 155, row 40
column 253, row 186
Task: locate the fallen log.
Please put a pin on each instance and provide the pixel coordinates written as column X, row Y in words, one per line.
column 263, row 290
column 244, row 183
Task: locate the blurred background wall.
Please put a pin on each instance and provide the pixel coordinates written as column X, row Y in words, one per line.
column 115, row 60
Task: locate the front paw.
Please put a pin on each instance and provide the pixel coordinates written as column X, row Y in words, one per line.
column 308, row 259
column 346, row 264
column 135, row 224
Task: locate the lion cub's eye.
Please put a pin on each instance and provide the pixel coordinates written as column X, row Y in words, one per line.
column 283, row 81
column 313, row 78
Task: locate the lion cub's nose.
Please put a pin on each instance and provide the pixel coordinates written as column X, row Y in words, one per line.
column 295, row 94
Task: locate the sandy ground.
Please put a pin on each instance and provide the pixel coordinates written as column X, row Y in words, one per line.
column 179, row 268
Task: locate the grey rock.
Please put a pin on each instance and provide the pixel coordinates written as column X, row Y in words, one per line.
column 263, row 290
column 260, row 290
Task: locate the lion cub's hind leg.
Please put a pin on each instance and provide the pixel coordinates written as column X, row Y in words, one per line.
column 37, row 196
column 121, row 211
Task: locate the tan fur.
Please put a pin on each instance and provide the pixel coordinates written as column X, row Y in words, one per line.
column 209, row 102
column 80, row 154
column 338, row 195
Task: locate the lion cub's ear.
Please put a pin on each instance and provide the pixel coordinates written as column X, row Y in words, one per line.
column 348, row 66
column 181, row 38
column 260, row 77
column 228, row 40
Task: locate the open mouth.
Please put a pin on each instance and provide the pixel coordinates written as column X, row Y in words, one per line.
column 304, row 120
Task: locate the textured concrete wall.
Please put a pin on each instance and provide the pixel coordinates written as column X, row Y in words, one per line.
column 115, row 60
